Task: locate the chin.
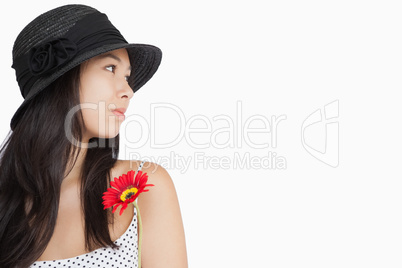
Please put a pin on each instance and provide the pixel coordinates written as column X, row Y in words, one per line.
column 108, row 135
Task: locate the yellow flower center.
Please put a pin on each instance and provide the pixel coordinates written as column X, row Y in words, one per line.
column 128, row 193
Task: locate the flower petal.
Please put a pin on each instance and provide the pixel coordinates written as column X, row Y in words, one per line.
column 112, row 197
column 124, row 206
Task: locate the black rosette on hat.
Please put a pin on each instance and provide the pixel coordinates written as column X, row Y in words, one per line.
column 50, row 55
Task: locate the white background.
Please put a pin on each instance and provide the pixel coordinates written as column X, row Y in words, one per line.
column 288, row 58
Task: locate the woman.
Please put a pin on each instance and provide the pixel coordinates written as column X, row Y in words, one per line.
column 77, row 75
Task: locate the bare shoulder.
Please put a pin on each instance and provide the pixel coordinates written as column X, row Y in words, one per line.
column 163, row 240
column 162, row 196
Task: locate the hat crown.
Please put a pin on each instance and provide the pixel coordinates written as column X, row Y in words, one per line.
column 49, row 25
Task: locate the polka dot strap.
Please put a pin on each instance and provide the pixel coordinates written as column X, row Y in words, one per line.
column 142, row 163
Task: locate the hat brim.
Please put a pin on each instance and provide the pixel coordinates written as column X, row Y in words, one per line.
column 144, row 59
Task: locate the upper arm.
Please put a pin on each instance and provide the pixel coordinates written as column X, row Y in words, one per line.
column 163, row 241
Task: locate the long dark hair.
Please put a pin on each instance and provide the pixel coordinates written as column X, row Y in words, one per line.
column 34, row 159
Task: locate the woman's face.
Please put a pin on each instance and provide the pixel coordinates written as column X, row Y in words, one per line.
column 103, row 89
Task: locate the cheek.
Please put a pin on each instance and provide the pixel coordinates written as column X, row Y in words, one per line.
column 94, row 97
column 96, row 93
column 95, row 85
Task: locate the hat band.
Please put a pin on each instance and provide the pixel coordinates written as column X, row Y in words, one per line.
column 91, row 32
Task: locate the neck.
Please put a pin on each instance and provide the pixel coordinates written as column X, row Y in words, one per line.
column 77, row 160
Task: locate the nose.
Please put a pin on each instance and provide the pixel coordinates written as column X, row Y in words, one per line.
column 125, row 91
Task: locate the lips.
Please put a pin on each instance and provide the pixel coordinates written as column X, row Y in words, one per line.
column 120, row 113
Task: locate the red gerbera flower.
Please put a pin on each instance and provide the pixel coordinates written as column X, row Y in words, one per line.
column 125, row 190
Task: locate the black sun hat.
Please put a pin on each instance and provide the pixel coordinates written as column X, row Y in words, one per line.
column 63, row 38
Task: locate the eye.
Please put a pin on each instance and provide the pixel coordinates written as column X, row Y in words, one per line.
column 111, row 68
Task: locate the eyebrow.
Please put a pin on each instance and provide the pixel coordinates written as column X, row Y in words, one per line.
column 110, row 55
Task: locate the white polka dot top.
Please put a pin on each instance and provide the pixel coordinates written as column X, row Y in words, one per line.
column 124, row 256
